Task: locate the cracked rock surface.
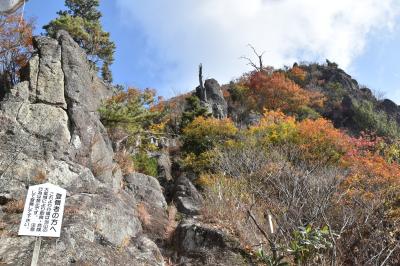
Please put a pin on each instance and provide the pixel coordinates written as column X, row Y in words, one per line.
column 50, row 132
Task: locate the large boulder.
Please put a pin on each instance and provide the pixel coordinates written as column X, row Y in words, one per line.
column 200, row 244
column 188, row 200
column 84, row 92
column 150, row 204
column 212, row 98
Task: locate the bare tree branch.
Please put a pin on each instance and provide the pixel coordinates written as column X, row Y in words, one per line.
column 258, row 67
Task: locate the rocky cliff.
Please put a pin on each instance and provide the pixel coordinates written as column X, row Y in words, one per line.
column 50, row 132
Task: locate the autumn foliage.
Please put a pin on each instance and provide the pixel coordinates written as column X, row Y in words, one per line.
column 15, row 47
column 298, row 73
column 203, row 134
column 276, row 91
column 337, row 174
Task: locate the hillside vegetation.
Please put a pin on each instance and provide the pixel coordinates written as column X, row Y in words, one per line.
column 304, row 169
column 292, row 166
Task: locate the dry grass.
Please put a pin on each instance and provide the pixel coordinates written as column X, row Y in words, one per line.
column 71, row 210
column 40, row 176
column 3, row 226
column 225, row 206
column 99, row 168
column 125, row 162
column 14, row 206
column 143, row 214
column 172, row 223
column 168, row 262
column 124, row 243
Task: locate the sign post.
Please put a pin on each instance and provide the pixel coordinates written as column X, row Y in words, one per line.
column 36, row 251
column 43, row 213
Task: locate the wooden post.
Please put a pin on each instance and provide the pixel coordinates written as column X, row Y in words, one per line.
column 36, row 251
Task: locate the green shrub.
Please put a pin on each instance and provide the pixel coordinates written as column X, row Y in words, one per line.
column 306, row 112
column 132, row 110
column 335, row 91
column 145, row 164
column 369, row 119
column 203, row 134
column 192, row 110
column 309, row 244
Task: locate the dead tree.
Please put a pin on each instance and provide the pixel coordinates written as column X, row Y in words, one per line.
column 260, row 66
column 202, row 89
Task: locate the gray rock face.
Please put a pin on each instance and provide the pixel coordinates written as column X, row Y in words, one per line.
column 188, row 200
column 164, row 167
column 50, row 132
column 33, row 71
column 252, row 119
column 200, row 244
column 84, row 92
column 44, row 120
column 391, row 108
column 212, row 98
column 50, row 80
column 151, row 204
column 21, row 91
column 81, row 86
column 146, row 189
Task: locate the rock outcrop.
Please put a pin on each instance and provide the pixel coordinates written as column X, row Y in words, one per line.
column 200, row 244
column 391, row 108
column 187, row 198
column 346, row 93
column 164, row 166
column 212, row 98
column 50, row 132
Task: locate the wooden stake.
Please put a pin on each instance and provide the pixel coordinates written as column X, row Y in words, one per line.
column 36, row 251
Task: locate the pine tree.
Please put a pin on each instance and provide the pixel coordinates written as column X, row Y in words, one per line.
column 193, row 109
column 82, row 22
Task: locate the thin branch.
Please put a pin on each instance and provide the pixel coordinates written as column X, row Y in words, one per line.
column 271, row 243
column 250, row 62
column 390, row 254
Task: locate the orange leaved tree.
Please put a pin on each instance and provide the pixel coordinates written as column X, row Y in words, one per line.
column 276, row 91
column 15, row 48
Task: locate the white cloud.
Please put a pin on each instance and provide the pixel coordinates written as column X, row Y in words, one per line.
column 216, row 32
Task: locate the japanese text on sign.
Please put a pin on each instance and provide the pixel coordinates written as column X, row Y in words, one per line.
column 43, row 211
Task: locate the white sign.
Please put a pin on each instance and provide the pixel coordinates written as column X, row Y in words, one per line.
column 43, row 211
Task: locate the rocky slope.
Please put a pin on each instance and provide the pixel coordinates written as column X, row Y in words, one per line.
column 50, row 132
column 339, row 86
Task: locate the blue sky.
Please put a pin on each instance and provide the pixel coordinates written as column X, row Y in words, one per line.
column 160, row 43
